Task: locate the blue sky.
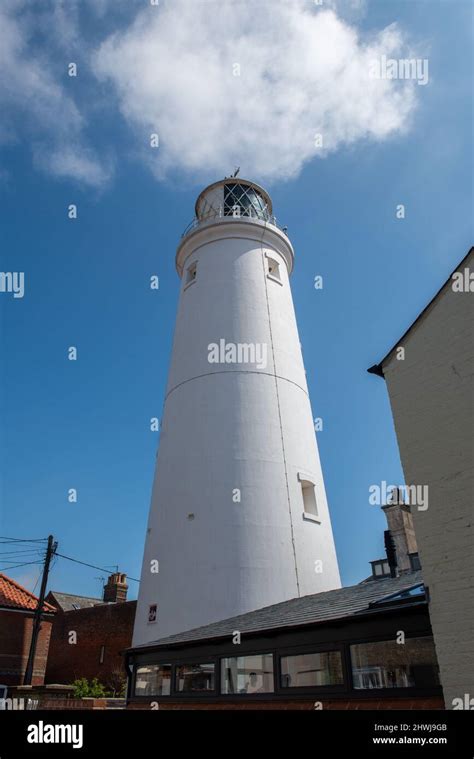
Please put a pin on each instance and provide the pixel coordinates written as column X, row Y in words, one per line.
column 85, row 424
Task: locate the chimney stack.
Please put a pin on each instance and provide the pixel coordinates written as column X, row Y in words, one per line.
column 400, row 525
column 116, row 589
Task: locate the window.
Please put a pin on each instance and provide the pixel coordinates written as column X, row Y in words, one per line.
column 152, row 613
column 299, row 671
column 388, row 664
column 380, row 568
column 414, row 593
column 191, row 273
column 414, row 561
column 243, row 200
column 309, row 499
column 102, row 655
column 247, row 674
column 195, row 678
column 153, row 680
column 273, row 269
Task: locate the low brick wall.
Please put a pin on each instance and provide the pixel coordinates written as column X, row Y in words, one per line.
column 372, row 704
column 57, row 697
column 73, row 703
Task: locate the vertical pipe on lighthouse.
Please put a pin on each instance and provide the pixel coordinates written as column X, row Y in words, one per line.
column 238, row 518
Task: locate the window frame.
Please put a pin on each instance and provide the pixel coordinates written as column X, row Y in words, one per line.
column 308, row 516
column 274, row 278
column 315, row 649
column 381, row 563
column 166, row 663
column 340, row 692
column 246, row 696
column 150, row 607
column 190, row 280
column 193, row 661
column 236, row 191
column 383, row 639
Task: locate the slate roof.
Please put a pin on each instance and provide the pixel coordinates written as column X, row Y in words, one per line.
column 70, row 602
column 15, row 596
column 317, row 608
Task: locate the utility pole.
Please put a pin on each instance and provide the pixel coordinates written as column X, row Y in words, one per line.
column 50, row 551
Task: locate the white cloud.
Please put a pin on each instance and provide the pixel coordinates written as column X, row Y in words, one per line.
column 36, row 108
column 69, row 161
column 302, row 71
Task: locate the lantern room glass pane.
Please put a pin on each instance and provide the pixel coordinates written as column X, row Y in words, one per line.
column 242, row 200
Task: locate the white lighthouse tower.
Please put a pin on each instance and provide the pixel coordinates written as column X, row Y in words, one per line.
column 238, row 518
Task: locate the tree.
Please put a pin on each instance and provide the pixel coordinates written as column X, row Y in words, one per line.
column 117, row 682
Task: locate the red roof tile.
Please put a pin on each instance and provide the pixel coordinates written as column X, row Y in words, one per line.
column 15, row 596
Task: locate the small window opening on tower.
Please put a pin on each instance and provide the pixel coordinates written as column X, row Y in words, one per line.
column 310, row 505
column 191, row 273
column 273, row 269
column 102, row 655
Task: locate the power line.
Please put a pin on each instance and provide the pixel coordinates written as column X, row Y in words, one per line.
column 93, row 566
column 4, row 538
column 41, row 540
column 37, row 581
column 25, row 564
column 34, row 551
column 12, row 549
column 12, row 558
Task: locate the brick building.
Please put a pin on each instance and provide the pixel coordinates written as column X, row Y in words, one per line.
column 429, row 375
column 17, row 607
column 89, row 635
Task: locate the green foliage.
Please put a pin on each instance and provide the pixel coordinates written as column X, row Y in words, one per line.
column 85, row 689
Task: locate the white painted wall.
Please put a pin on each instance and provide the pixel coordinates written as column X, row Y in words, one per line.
column 431, row 394
column 233, row 426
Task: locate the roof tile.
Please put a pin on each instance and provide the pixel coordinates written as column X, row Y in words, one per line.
column 320, row 607
column 71, row 602
column 15, row 596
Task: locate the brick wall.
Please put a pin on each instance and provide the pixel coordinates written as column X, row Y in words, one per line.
column 15, row 639
column 109, row 625
column 377, row 704
column 73, row 703
column 432, row 403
